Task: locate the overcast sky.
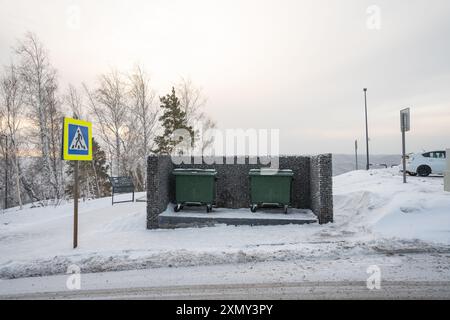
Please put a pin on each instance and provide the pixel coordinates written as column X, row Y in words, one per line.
column 299, row 66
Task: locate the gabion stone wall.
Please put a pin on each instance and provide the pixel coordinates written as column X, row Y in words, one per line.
column 233, row 180
column 310, row 177
column 321, row 183
column 159, row 191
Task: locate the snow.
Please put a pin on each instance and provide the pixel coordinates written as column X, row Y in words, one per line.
column 375, row 213
column 243, row 213
column 379, row 202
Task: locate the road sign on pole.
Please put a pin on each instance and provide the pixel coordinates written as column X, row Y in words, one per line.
column 447, row 172
column 404, row 126
column 76, row 146
column 405, row 122
column 367, row 130
column 77, row 140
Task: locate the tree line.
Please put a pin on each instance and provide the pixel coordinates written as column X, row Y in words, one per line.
column 130, row 122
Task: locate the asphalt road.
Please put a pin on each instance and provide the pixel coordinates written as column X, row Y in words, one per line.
column 298, row 290
column 401, row 276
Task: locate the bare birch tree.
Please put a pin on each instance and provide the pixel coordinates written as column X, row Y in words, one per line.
column 193, row 102
column 11, row 109
column 144, row 117
column 74, row 101
column 108, row 106
column 40, row 84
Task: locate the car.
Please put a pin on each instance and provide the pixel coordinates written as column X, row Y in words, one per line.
column 424, row 164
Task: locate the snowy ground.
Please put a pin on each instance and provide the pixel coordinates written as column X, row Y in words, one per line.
column 378, row 220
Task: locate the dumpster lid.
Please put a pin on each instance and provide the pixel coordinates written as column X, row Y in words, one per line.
column 194, row 171
column 271, row 172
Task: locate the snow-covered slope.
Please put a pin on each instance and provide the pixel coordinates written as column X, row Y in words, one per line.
column 378, row 202
column 374, row 211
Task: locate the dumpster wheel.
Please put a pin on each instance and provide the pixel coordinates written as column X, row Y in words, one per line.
column 208, row 208
column 178, row 207
column 253, row 207
column 286, row 209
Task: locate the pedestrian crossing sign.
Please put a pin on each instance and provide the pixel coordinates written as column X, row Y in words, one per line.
column 77, row 140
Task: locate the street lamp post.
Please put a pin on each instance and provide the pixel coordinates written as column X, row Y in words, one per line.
column 367, row 130
column 4, row 136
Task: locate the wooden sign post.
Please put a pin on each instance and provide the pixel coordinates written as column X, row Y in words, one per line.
column 76, row 146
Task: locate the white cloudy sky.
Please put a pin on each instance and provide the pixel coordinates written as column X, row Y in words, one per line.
column 299, row 66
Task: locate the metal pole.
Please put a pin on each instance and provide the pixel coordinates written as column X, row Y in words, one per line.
column 75, row 206
column 6, row 172
column 367, row 130
column 356, row 154
column 403, row 149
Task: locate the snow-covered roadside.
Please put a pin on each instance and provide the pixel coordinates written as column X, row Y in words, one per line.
column 406, row 276
column 375, row 214
column 377, row 202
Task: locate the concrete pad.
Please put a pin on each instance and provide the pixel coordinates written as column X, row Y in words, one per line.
column 197, row 216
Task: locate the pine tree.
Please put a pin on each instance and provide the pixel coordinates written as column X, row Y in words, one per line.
column 93, row 179
column 173, row 118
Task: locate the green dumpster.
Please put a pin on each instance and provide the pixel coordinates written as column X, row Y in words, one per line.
column 194, row 187
column 270, row 187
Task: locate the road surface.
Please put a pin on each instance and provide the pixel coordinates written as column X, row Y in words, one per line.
column 405, row 277
column 302, row 290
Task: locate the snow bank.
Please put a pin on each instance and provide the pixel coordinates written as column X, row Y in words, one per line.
column 378, row 202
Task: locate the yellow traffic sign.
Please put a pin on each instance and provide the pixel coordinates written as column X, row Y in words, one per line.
column 77, row 140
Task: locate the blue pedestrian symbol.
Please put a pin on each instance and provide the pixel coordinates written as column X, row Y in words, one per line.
column 78, row 140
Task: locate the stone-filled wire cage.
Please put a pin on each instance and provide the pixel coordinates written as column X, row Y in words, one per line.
column 312, row 186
